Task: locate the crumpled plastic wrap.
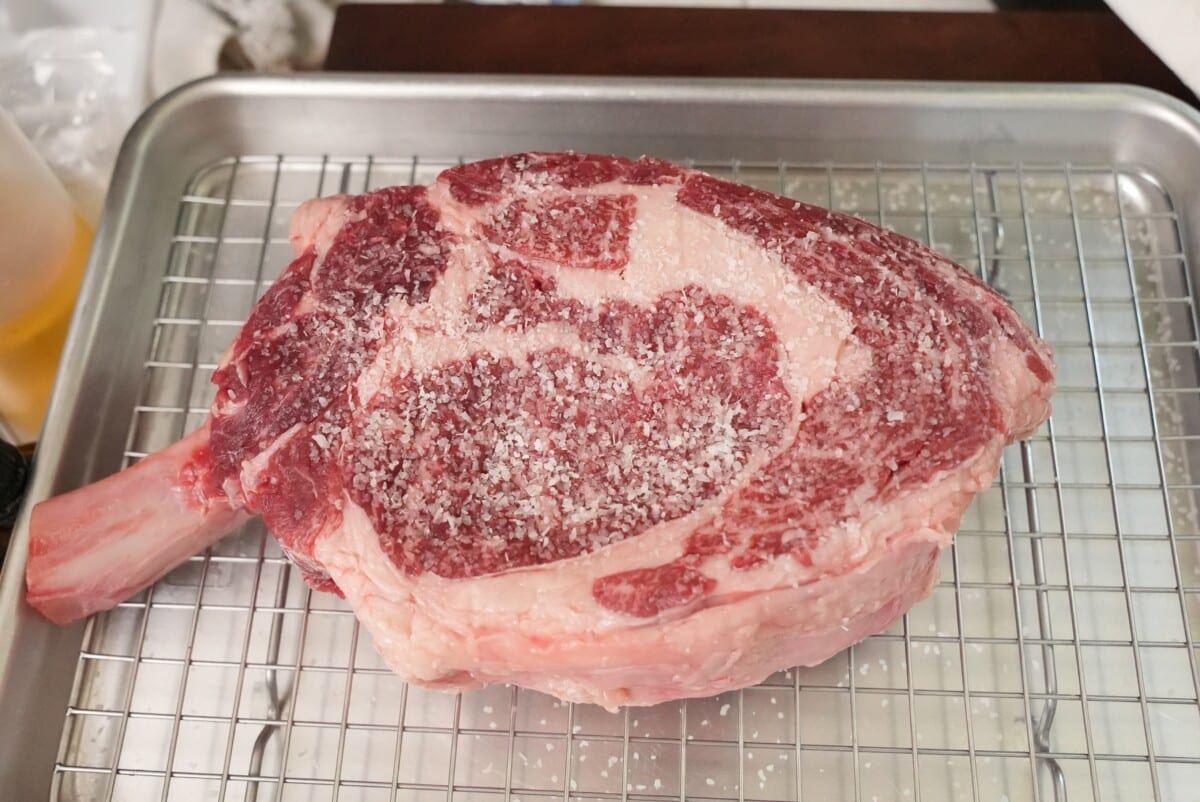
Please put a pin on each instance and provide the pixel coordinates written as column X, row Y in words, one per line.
column 59, row 85
column 74, row 91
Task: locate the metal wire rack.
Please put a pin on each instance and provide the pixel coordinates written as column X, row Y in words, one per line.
column 1056, row 660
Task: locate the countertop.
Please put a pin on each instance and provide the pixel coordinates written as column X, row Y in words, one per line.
column 1083, row 46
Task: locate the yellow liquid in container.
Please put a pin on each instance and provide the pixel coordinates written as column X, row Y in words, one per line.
column 32, row 342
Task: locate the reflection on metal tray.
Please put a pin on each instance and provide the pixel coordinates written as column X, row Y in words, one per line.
column 1057, row 660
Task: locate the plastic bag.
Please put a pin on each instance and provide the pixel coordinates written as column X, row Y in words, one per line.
column 60, row 86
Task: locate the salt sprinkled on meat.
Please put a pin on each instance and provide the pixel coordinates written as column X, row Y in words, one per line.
column 611, row 429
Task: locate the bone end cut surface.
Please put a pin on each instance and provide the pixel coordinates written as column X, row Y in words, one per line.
column 92, row 548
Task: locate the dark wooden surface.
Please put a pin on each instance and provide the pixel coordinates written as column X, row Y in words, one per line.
column 607, row 40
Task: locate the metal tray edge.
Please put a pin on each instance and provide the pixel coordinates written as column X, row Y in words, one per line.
column 22, row 632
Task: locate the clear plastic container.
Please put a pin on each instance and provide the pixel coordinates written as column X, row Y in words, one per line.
column 44, row 245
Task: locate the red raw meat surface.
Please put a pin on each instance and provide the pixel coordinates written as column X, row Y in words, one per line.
column 612, row 429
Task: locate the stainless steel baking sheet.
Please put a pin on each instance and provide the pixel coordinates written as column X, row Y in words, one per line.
column 1057, row 660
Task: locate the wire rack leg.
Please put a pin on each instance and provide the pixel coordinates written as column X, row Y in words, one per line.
column 1045, row 717
column 276, row 700
column 1044, row 720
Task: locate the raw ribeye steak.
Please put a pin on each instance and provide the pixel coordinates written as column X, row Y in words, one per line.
column 615, row 430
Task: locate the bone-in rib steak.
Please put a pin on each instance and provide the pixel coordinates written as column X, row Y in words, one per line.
column 611, row 429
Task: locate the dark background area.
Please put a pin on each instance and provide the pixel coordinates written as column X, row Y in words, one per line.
column 1051, row 5
column 1088, row 46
